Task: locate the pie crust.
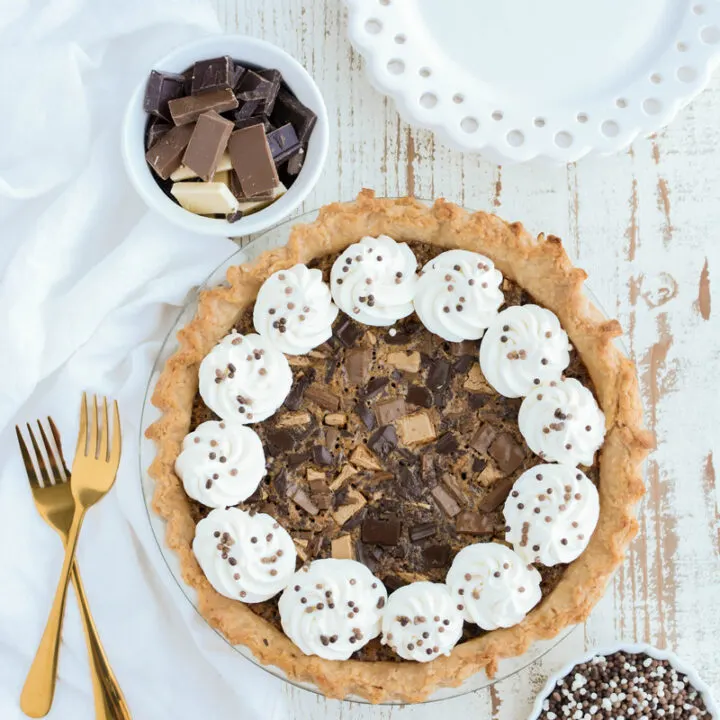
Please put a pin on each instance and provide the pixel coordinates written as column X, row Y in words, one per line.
column 540, row 266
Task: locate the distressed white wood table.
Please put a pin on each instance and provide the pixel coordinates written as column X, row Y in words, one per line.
column 646, row 225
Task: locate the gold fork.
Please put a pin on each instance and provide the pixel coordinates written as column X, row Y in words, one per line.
column 54, row 501
column 97, row 457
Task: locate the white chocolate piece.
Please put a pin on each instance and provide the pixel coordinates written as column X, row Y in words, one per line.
column 205, row 198
column 250, row 206
column 185, row 173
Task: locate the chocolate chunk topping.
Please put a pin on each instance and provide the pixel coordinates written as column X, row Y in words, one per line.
column 507, row 453
column 482, row 438
column 161, row 88
column 383, row 440
column 439, row 374
column 479, row 464
column 374, row 387
column 347, row 332
column 436, row 556
column 496, row 495
column 446, row 444
column 365, row 414
column 388, row 410
column 357, row 365
column 463, row 364
column 447, row 503
column 408, row 484
column 478, row 400
column 283, row 143
column 381, row 532
column 321, row 455
column 288, row 109
column 474, row 523
column 279, row 440
column 322, row 397
column 422, row 531
column 302, row 499
column 418, row 395
column 296, row 394
column 280, row 482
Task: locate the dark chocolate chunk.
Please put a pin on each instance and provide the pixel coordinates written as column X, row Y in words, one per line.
column 156, row 128
column 165, row 156
column 451, row 484
column 245, row 111
column 355, row 520
column 279, row 440
column 436, row 556
column 161, row 88
column 207, row 144
column 348, row 332
column 496, row 495
column 393, row 582
column 323, row 501
column 474, row 523
column 482, row 438
column 463, row 364
column 251, row 160
column 185, row 110
column 253, row 87
column 479, row 464
column 234, row 216
column 321, row 455
column 363, row 555
column 275, row 78
column 302, row 499
column 357, row 365
column 295, row 396
column 388, row 410
column 257, row 120
column 374, row 387
column 295, row 459
column 478, row 400
column 427, row 466
column 332, row 435
column 447, row 444
column 383, row 440
column 404, row 334
column 507, row 453
column 439, row 374
column 418, row 395
column 466, row 347
column 280, row 482
column 365, row 414
column 283, row 143
column 422, row 531
column 322, row 397
column 296, row 162
column 408, row 484
column 441, row 399
column 288, row 109
column 447, row 502
column 381, row 532
column 238, row 75
column 213, row 74
column 331, row 365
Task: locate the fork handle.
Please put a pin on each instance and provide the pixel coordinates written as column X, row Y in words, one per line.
column 109, row 701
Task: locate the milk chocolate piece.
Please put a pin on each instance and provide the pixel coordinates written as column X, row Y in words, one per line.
column 347, row 332
column 295, row 459
column 275, row 79
column 165, row 156
column 157, row 127
column 422, row 531
column 496, row 495
column 446, row 444
column 507, row 453
column 452, row 485
column 436, row 556
column 357, row 365
column 388, row 410
column 365, row 414
column 479, row 464
column 322, row 397
column 207, row 144
column 343, row 548
column 251, row 160
column 363, row 458
column 213, row 74
column 418, row 395
column 332, row 435
column 301, row 498
column 283, row 143
column 381, row 532
column 295, row 396
column 185, row 110
column 474, row 523
column 279, row 440
column 321, row 455
column 288, row 109
column 355, row 502
column 416, row 428
column 439, row 374
column 161, row 88
column 355, row 520
column 465, row 347
column 374, row 387
column 447, row 503
column 482, row 438
column 406, row 361
column 383, row 440
column 280, row 482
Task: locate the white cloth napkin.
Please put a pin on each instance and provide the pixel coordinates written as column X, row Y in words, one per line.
column 90, row 283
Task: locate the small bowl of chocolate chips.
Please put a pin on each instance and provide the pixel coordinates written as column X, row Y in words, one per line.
column 627, row 682
column 226, row 136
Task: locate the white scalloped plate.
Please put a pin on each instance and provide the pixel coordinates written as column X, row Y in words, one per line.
column 519, row 79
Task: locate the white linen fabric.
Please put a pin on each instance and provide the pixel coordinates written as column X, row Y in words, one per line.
column 90, row 282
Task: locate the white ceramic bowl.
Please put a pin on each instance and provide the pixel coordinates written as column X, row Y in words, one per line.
column 245, row 50
column 653, row 652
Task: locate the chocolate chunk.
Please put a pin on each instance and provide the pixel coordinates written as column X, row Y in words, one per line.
column 253, row 87
column 422, row 531
column 438, row 375
column 393, row 582
column 427, row 466
column 381, row 532
column 165, row 156
column 383, row 440
column 295, row 396
column 418, row 395
column 441, row 399
column 463, row 364
column 496, row 495
column 161, row 88
column 478, row 400
column 322, row 397
column 246, row 111
column 482, row 438
column 330, row 368
column 374, row 387
column 317, row 482
column 365, row 414
column 409, row 486
column 473, row 523
column 446, row 444
column 332, row 435
column 357, row 365
column 280, row 482
column 257, row 120
column 479, row 464
column 213, row 74
column 451, row 484
column 324, row 501
column 436, row 556
column 355, row 520
column 279, row 440
column 296, row 162
column 283, row 143
column 238, row 75
column 507, row 453
column 301, row 498
column 251, row 160
column 362, row 555
column 288, row 109
column 466, row 347
column 321, row 455
column 417, row 428
column 388, row 410
column 207, row 144
column 185, row 110
column 347, row 332
column 446, row 502
column 404, row 334
column 295, row 459
column 156, row 128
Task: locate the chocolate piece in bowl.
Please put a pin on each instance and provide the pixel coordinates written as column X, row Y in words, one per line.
column 283, row 143
column 208, row 198
column 161, row 88
column 165, row 156
column 275, row 79
column 186, row 110
column 207, row 144
column 214, row 74
column 157, row 127
column 252, row 161
column 288, row 109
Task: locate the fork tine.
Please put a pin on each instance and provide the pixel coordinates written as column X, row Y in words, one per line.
column 116, row 436
column 39, row 457
column 54, row 469
column 27, row 460
column 104, row 433
column 93, row 423
column 58, row 444
column 82, row 432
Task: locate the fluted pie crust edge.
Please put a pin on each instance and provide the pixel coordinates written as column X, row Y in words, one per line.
column 539, row 265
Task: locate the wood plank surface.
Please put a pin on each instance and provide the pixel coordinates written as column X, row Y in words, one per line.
column 644, row 224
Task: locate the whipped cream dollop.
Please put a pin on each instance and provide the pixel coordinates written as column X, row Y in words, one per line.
column 331, row 608
column 561, row 422
column 374, row 281
column 458, row 295
column 523, row 347
column 221, row 464
column 245, row 556
column 294, row 310
column 244, row 378
column 551, row 513
column 494, row 584
column 422, row 621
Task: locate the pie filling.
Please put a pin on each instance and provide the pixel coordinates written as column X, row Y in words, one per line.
column 391, row 449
